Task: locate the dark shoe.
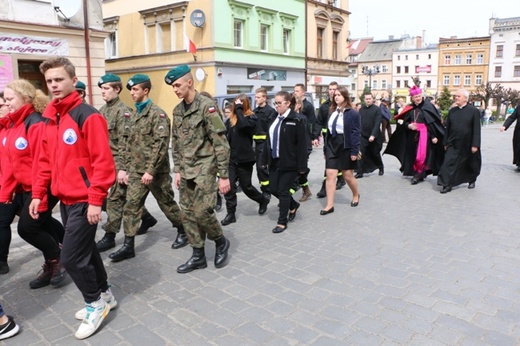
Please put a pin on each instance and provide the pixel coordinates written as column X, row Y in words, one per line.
column 4, row 267
column 416, row 180
column 325, row 212
column 180, row 241
column 10, row 328
column 58, row 273
column 358, row 175
column 340, row 183
column 218, row 206
column 196, row 261
column 221, row 252
column 517, row 169
column 262, row 208
column 292, row 215
column 381, row 171
column 323, row 192
column 306, row 194
column 230, row 218
column 471, row 185
column 355, row 204
column 147, row 221
column 125, row 252
column 446, row 189
column 44, row 276
column 107, row 242
column 279, row 229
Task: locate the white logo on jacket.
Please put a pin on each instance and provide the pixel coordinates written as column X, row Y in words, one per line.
column 21, row 143
column 3, row 141
column 70, row 137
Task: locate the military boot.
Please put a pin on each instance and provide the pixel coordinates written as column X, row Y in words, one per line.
column 181, row 240
column 107, row 242
column 221, row 252
column 126, row 251
column 306, row 194
column 197, row 261
column 147, row 221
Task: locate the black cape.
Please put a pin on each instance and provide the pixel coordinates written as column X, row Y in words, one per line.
column 462, row 132
column 403, row 145
column 516, row 134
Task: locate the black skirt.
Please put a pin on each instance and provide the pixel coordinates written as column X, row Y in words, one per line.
column 336, row 156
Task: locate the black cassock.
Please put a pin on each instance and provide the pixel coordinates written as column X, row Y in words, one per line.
column 462, row 132
column 516, row 134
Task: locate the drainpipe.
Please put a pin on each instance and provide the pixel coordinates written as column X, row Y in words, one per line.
column 87, row 50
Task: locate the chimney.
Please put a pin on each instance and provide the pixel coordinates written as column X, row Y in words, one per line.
column 390, row 37
column 419, row 42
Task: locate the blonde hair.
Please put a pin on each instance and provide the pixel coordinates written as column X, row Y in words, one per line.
column 29, row 93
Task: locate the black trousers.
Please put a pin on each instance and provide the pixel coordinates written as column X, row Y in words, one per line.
column 241, row 172
column 280, row 184
column 7, row 214
column 44, row 233
column 261, row 172
column 79, row 254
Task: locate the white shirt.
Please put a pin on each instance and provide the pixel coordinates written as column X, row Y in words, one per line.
column 271, row 131
column 339, row 122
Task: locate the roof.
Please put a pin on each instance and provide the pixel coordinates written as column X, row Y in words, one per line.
column 380, row 50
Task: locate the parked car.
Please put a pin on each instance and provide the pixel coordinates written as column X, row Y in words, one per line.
column 223, row 100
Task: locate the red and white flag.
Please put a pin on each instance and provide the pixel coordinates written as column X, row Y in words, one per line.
column 190, row 46
column 353, row 45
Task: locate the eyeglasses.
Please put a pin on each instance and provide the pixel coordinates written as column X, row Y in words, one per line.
column 279, row 103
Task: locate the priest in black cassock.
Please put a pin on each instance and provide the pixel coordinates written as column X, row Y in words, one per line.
column 516, row 135
column 462, row 160
column 371, row 138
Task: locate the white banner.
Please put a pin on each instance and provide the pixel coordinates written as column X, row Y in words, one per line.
column 19, row 44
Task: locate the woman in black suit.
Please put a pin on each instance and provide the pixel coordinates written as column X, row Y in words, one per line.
column 286, row 156
column 341, row 147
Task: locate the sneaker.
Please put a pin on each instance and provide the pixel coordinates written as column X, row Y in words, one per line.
column 44, row 276
column 4, row 267
column 107, row 297
column 95, row 314
column 10, row 328
column 58, row 273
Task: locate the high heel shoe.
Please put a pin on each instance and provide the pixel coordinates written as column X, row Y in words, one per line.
column 325, row 212
column 355, row 204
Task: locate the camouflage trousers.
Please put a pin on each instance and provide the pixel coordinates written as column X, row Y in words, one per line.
column 162, row 190
column 197, row 199
column 115, row 203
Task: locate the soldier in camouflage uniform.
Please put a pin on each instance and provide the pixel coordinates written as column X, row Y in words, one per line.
column 148, row 166
column 118, row 116
column 200, row 151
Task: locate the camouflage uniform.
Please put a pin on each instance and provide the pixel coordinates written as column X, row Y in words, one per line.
column 118, row 116
column 200, row 151
column 147, row 152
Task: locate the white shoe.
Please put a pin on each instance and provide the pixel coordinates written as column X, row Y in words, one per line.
column 107, row 297
column 96, row 313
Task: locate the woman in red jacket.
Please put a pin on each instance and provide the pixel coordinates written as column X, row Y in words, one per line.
column 21, row 148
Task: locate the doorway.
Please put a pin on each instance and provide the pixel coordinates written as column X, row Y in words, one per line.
column 30, row 70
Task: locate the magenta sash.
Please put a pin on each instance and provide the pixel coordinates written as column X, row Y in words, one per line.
column 422, row 145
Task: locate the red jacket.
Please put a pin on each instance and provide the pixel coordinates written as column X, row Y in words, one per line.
column 20, row 149
column 75, row 158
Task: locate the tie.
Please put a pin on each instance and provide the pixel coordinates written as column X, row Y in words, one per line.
column 276, row 134
column 334, row 123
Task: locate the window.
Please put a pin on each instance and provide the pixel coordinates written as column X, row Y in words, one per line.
column 383, row 84
column 500, row 51
column 398, row 57
column 517, row 52
column 498, row 71
column 335, row 39
column 467, row 79
column 397, row 83
column 447, row 59
column 417, row 57
column 456, row 80
column 398, row 69
column 469, row 59
column 428, row 83
column 406, row 85
column 458, row 59
column 319, row 43
column 286, row 41
column 365, row 83
column 516, row 71
column 239, row 89
column 374, row 84
column 429, row 56
column 480, row 59
column 446, row 80
column 238, row 28
column 406, row 70
column 264, row 37
column 478, row 79
column 384, row 68
column 111, row 45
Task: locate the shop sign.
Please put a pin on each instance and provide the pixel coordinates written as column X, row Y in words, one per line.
column 20, row 44
column 6, row 70
column 266, row 74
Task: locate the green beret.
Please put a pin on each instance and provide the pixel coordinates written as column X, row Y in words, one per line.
column 137, row 79
column 80, row 85
column 108, row 78
column 176, row 73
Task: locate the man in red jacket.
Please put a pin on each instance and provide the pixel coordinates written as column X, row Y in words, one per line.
column 77, row 163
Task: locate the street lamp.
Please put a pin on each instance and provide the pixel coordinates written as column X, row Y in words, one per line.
column 370, row 71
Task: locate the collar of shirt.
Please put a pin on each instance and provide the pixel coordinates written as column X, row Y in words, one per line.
column 284, row 115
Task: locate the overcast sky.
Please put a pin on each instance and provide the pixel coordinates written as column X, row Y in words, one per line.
column 441, row 18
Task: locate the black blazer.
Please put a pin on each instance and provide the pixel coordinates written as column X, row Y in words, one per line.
column 292, row 144
column 351, row 131
column 240, row 137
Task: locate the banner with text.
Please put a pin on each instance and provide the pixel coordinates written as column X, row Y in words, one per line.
column 266, row 74
column 20, row 44
column 6, row 70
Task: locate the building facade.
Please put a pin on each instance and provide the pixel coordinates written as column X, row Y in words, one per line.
column 504, row 57
column 240, row 45
column 463, row 63
column 27, row 39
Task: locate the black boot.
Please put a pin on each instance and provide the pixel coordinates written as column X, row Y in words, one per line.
column 322, row 193
column 230, row 218
column 340, row 182
column 218, row 206
column 221, row 252
column 181, row 240
column 126, row 251
column 197, row 261
column 147, row 221
column 107, row 242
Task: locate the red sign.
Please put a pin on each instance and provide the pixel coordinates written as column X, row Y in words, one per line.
column 427, row 69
